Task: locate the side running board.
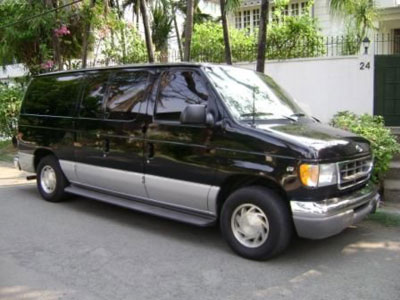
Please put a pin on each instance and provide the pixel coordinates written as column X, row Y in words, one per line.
column 168, row 213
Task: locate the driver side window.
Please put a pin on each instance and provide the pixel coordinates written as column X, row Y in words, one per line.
column 177, row 90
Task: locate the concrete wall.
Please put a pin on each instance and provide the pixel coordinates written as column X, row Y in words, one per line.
column 324, row 86
column 12, row 71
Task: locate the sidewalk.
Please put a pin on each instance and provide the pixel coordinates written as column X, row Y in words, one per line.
column 11, row 176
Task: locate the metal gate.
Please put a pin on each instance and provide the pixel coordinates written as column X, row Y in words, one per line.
column 387, row 88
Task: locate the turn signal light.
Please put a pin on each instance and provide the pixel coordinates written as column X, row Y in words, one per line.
column 309, row 175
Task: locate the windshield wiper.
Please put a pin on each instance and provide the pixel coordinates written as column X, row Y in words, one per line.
column 252, row 114
column 299, row 115
column 258, row 114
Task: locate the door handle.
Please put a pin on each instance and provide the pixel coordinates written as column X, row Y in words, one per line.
column 150, row 151
column 106, row 146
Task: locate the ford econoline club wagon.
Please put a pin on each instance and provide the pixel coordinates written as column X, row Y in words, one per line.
column 196, row 143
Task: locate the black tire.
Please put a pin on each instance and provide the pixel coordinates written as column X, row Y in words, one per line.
column 58, row 194
column 278, row 218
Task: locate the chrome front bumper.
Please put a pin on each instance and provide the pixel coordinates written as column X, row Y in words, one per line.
column 318, row 220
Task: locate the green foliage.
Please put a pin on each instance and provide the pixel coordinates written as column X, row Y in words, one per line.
column 287, row 37
column 383, row 142
column 351, row 41
column 199, row 16
column 112, row 50
column 25, row 42
column 386, row 218
column 208, row 43
column 359, row 15
column 10, row 102
column 293, row 36
column 161, row 25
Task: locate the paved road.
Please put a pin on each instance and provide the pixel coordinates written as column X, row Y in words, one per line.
column 82, row 249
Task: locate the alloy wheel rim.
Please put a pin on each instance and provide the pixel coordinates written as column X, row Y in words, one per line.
column 48, row 179
column 250, row 225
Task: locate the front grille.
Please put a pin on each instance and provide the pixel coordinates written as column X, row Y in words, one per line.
column 353, row 172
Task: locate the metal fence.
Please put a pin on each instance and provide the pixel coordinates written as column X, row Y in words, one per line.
column 333, row 46
column 298, row 48
column 386, row 44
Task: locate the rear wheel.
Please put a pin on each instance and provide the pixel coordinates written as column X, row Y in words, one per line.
column 51, row 181
column 256, row 223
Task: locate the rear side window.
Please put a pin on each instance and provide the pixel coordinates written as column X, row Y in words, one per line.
column 53, row 95
column 127, row 91
column 93, row 95
column 177, row 90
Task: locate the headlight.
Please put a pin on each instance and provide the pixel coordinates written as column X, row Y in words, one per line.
column 314, row 175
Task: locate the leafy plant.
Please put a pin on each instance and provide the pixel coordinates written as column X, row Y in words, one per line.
column 383, row 142
column 288, row 37
column 10, row 102
column 293, row 36
column 360, row 16
column 208, row 43
column 161, row 26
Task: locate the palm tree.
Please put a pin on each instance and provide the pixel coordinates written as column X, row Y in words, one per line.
column 188, row 29
column 86, row 34
column 360, row 15
column 135, row 10
column 174, row 9
column 227, row 6
column 161, row 27
column 55, row 40
column 262, row 36
column 147, row 34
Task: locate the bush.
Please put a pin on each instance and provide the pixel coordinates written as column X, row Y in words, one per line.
column 208, row 43
column 293, row 36
column 287, row 37
column 383, row 142
column 10, row 102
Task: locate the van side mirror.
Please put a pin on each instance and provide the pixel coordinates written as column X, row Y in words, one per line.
column 194, row 114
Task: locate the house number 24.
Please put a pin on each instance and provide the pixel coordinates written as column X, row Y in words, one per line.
column 364, row 65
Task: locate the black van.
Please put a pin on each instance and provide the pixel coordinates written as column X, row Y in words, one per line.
column 196, row 143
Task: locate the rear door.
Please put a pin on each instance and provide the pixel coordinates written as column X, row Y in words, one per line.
column 111, row 158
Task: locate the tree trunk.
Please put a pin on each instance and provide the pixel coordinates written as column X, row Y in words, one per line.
column 86, row 36
column 188, row 29
column 224, row 20
column 137, row 12
column 122, row 32
column 178, row 37
column 147, row 34
column 262, row 36
column 55, row 40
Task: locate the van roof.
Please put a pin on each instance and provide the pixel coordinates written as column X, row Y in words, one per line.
column 147, row 65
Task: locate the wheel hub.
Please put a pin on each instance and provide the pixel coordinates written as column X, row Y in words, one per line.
column 48, row 179
column 250, row 225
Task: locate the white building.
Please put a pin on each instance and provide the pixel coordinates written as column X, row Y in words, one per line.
column 389, row 16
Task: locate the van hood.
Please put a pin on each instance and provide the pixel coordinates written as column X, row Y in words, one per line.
column 319, row 141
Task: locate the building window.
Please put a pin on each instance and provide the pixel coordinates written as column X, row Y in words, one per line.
column 295, row 9
column 286, row 10
column 238, row 19
column 246, row 19
column 256, row 18
column 304, row 9
column 273, row 17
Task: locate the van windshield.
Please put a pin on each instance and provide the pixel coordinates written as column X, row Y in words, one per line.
column 250, row 95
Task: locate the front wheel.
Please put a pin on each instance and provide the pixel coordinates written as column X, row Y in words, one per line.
column 256, row 223
column 51, row 181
